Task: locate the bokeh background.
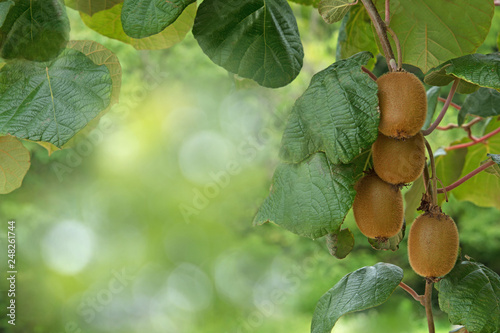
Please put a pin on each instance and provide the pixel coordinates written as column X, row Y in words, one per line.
column 145, row 226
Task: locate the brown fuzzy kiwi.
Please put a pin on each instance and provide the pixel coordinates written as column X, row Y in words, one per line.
column 403, row 104
column 433, row 245
column 378, row 207
column 399, row 161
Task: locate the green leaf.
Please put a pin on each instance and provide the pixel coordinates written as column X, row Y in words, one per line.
column 144, row 18
column 4, row 10
column 334, row 10
column 482, row 189
column 494, row 169
column 470, row 294
column 364, row 288
column 484, row 103
column 390, row 244
column 432, row 32
column 356, row 35
column 432, row 101
column 473, row 70
column 90, row 7
column 14, row 163
column 52, row 101
column 109, row 24
column 311, row 198
column 449, row 166
column 313, row 3
column 340, row 243
column 256, row 39
column 337, row 114
column 34, row 30
column 413, row 197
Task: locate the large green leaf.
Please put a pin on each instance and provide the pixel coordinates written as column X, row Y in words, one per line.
column 144, row 18
column 470, row 294
column 364, row 288
column 334, row 10
column 356, row 35
column 311, row 198
column 14, row 163
column 449, row 166
column 52, row 101
column 482, row 189
column 484, row 103
column 337, row 114
column 256, row 39
column 432, row 32
column 34, row 30
column 4, row 10
column 90, row 7
column 473, row 70
column 109, row 24
column 340, row 243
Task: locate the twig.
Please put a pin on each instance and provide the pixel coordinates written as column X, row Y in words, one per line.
column 455, row 105
column 466, row 177
column 428, row 305
column 464, row 126
column 380, row 27
column 398, row 47
column 443, row 111
column 388, row 12
column 433, row 168
column 369, row 72
column 413, row 293
column 474, row 142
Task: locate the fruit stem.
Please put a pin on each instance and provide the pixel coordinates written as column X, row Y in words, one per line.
column 428, row 305
column 443, row 111
column 474, row 142
column 434, row 176
column 466, row 177
column 426, row 177
column 381, row 29
column 398, row 47
column 413, row 293
column 369, row 72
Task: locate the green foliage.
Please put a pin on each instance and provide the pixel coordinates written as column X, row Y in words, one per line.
column 34, row 30
column 429, row 37
column 362, row 289
column 470, row 294
column 36, row 104
column 432, row 101
column 109, row 24
column 340, row 243
column 4, row 10
column 14, row 163
column 90, row 7
column 390, row 244
column 484, row 103
column 146, row 18
column 265, row 48
column 334, row 10
column 337, row 114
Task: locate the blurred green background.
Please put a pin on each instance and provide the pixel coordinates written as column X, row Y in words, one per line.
column 145, row 226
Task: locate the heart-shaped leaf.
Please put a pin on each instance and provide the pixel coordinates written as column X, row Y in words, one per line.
column 364, row 288
column 470, row 294
column 14, row 163
column 52, row 101
column 34, row 30
column 256, row 39
column 337, row 114
column 144, row 18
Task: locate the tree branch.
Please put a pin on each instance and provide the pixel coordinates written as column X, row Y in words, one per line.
column 380, row 27
column 466, row 177
column 443, row 111
column 474, row 142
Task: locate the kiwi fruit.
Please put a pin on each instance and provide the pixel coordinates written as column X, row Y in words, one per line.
column 399, row 161
column 378, row 207
column 433, row 245
column 403, row 104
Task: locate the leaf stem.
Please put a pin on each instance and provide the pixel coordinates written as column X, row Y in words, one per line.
column 413, row 293
column 387, row 12
column 466, row 177
column 455, row 105
column 398, row 47
column 443, row 111
column 475, row 141
column 380, row 28
column 369, row 72
column 464, row 126
column 434, row 192
column 428, row 305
